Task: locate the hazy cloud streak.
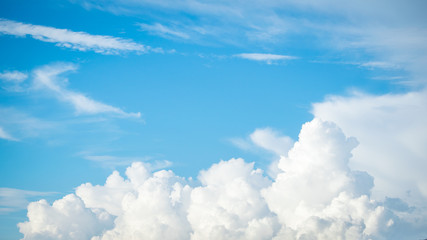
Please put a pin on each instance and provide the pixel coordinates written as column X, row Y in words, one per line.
column 47, row 78
column 69, row 39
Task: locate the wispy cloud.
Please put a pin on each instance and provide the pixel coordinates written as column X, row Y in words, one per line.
column 397, row 37
column 23, row 125
column 264, row 57
column 13, row 76
column 47, row 77
column 377, row 64
column 69, row 39
column 12, row 80
column 5, row 135
column 12, row 199
column 164, row 31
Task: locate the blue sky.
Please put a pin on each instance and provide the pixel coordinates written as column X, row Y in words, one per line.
column 88, row 87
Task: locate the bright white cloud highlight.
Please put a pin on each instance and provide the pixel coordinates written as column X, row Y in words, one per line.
column 316, row 196
column 47, row 77
column 264, row 57
column 80, row 41
column 392, row 132
column 271, row 140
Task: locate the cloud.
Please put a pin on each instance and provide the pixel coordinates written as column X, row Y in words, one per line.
column 21, row 125
column 263, row 57
column 12, row 80
column 164, row 31
column 316, row 196
column 267, row 139
column 392, row 133
column 5, row 135
column 13, row 76
column 80, row 41
column 66, row 218
column 397, row 38
column 47, row 77
column 271, row 140
column 12, row 199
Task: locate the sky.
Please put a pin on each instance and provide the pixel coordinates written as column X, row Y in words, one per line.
column 139, row 119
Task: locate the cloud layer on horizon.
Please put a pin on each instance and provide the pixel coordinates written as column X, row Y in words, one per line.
column 316, row 195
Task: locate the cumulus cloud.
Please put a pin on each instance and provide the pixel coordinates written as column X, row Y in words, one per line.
column 264, row 57
column 265, row 138
column 75, row 40
column 316, row 196
column 271, row 140
column 47, row 77
column 392, row 133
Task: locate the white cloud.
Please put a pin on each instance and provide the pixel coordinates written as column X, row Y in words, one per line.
column 47, row 77
column 271, row 140
column 392, row 133
column 397, row 38
column 377, row 64
column 264, row 57
column 13, row 76
column 66, row 218
column 159, row 29
column 5, row 135
column 267, row 139
column 316, row 196
column 75, row 40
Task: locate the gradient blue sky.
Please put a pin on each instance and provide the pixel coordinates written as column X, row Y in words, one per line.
column 91, row 86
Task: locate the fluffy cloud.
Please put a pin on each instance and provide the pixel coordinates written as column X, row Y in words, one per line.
column 66, row 218
column 393, row 135
column 316, row 196
column 66, row 38
column 47, row 77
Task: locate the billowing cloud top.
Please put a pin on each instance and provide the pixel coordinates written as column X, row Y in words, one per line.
column 315, row 196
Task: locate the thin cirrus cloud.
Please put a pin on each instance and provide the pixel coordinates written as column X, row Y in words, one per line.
column 265, row 57
column 164, row 31
column 317, row 195
column 12, row 199
column 5, row 135
column 47, row 77
column 80, row 41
